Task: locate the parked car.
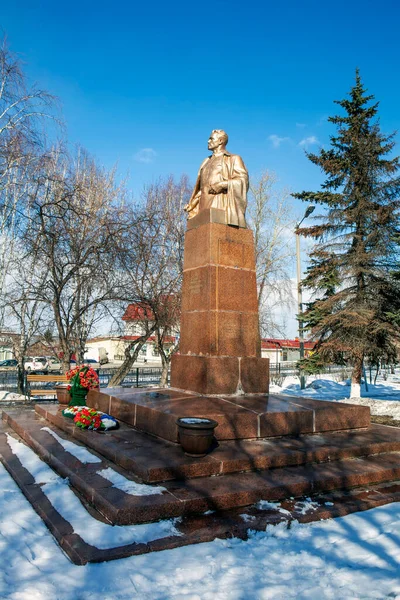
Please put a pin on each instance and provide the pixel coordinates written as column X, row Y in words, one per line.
column 90, row 362
column 8, row 365
column 53, row 364
column 36, row 364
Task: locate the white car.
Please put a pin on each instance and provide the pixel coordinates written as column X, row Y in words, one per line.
column 53, row 364
column 42, row 364
column 36, row 364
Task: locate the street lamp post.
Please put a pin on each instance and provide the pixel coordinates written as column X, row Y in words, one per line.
column 308, row 212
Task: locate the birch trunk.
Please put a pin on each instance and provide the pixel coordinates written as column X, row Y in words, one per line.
column 355, row 390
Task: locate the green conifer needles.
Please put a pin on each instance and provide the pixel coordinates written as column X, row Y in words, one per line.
column 353, row 271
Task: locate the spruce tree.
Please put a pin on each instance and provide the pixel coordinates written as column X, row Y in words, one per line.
column 356, row 303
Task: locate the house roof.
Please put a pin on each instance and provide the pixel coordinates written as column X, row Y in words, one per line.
column 104, row 338
column 137, row 312
column 169, row 339
column 281, row 344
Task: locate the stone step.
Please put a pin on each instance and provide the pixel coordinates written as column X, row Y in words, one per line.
column 115, row 505
column 200, row 494
column 194, row 528
column 154, row 460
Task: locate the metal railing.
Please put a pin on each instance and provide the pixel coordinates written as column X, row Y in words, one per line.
column 137, row 377
column 291, row 368
column 144, row 376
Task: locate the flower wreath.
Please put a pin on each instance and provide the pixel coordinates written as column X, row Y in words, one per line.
column 89, row 418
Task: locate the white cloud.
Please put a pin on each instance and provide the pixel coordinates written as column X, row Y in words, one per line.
column 309, row 141
column 145, row 155
column 276, row 140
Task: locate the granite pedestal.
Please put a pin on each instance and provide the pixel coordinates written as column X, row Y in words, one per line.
column 220, row 349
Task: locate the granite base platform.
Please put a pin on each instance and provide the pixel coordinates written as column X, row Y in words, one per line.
column 155, row 411
column 229, row 481
column 193, row 528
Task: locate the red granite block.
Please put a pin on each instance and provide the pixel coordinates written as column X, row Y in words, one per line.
column 122, row 409
column 286, row 423
column 231, row 254
column 342, row 417
column 199, row 290
column 254, row 374
column 206, row 216
column 219, row 288
column 233, row 421
column 205, row 374
column 99, row 400
column 220, row 333
column 198, row 334
column 209, row 244
column 236, row 290
column 237, row 334
column 248, row 455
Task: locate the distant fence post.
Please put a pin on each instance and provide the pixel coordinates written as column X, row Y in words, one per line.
column 137, row 377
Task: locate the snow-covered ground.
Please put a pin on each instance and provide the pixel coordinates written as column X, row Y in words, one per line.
column 6, row 396
column 357, row 556
column 383, row 398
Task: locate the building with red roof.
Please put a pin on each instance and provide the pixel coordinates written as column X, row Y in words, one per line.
column 282, row 350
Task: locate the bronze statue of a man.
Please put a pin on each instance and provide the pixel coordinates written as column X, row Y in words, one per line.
column 222, row 183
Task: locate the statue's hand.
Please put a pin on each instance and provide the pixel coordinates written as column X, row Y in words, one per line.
column 219, row 187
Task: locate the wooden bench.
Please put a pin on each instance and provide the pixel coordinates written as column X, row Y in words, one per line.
column 45, row 379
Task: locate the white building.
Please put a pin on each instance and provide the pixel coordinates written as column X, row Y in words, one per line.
column 112, row 348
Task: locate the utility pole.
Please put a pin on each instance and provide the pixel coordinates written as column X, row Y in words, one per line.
column 308, row 212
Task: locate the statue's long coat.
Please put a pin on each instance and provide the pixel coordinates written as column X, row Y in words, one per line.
column 234, row 202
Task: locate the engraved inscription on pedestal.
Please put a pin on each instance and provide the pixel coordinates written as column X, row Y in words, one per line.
column 195, row 285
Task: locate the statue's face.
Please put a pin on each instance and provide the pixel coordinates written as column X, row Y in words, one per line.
column 214, row 141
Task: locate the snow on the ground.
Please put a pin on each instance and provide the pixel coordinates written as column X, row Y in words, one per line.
column 117, row 480
column 95, row 533
column 128, row 486
column 357, row 556
column 6, row 396
column 83, row 455
column 382, row 398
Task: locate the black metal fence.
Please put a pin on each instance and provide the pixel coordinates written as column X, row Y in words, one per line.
column 291, row 368
column 8, row 381
column 144, row 376
column 137, row 377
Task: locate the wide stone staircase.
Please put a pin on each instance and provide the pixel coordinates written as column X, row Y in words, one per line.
column 249, row 480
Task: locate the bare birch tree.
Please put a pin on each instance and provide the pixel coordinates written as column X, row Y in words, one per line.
column 23, row 310
column 271, row 219
column 150, row 260
column 23, row 110
column 76, row 212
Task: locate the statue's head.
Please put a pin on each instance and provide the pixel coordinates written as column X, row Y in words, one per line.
column 217, row 138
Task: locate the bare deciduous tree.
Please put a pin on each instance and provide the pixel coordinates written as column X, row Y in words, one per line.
column 76, row 213
column 22, row 112
column 25, row 312
column 270, row 217
column 150, row 260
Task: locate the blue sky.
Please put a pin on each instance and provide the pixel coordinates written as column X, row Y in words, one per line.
column 143, row 84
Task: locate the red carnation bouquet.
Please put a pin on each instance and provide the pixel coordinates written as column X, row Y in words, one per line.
column 84, row 376
column 88, row 418
column 81, row 379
